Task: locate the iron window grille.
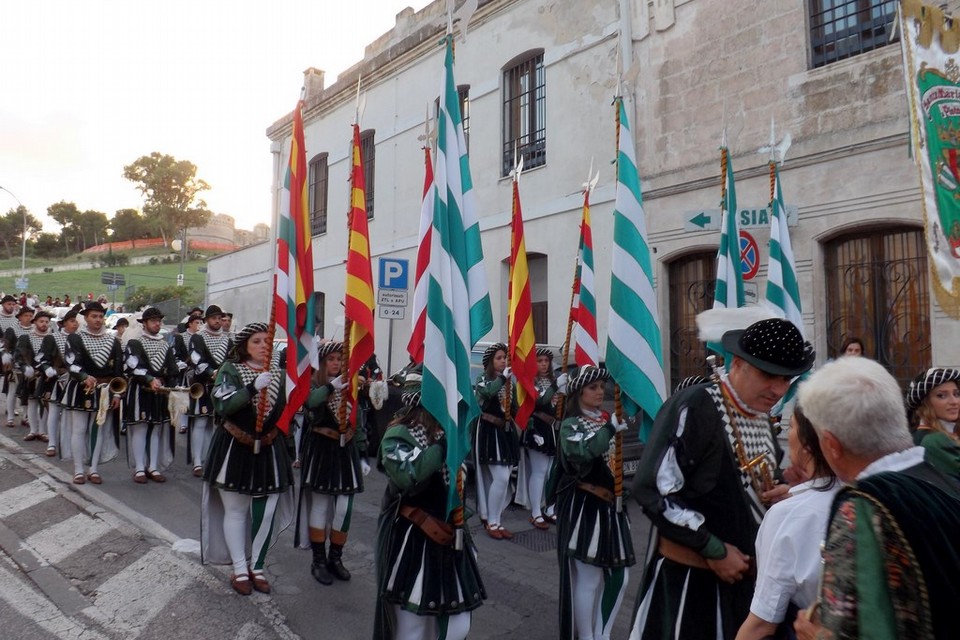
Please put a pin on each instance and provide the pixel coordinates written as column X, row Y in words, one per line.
column 841, row 29
column 524, row 112
column 368, row 152
column 317, row 194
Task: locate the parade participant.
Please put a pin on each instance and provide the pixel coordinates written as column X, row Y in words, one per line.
column 594, row 547
column 705, row 481
column 8, row 320
column 933, row 398
column 150, row 365
column 891, row 560
column 208, row 350
column 11, row 336
column 247, row 477
column 34, row 362
column 180, row 342
column 424, row 582
column 852, row 346
column 120, row 327
column 332, row 467
column 496, row 445
column 59, row 432
column 788, row 543
column 94, row 358
column 539, row 440
column 226, row 324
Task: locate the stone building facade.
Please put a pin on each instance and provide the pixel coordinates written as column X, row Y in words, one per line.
column 542, row 75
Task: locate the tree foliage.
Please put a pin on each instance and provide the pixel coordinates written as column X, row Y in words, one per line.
column 171, row 192
column 12, row 228
column 48, row 245
column 128, row 224
column 67, row 216
column 144, row 296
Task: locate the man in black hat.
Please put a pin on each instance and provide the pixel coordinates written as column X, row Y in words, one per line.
column 705, row 480
column 32, row 361
column 150, row 364
column 11, row 336
column 209, row 348
column 56, row 343
column 94, row 358
column 8, row 319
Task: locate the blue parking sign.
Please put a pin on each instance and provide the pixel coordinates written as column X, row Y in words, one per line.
column 393, row 273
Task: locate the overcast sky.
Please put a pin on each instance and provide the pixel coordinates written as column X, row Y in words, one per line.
column 88, row 86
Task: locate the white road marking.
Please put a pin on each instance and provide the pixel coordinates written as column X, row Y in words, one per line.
column 23, row 497
column 57, row 542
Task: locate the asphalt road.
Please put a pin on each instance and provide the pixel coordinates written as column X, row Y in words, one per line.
column 119, row 561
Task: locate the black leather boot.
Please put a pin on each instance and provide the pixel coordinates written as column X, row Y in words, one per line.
column 334, row 564
column 318, row 569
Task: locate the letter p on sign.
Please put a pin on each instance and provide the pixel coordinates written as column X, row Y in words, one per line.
column 393, row 273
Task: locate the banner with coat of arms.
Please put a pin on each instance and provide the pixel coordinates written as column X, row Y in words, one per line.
column 930, row 41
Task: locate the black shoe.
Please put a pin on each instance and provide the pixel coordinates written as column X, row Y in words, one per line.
column 335, row 565
column 318, row 569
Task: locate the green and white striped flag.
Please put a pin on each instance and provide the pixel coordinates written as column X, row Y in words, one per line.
column 458, row 302
column 728, row 293
column 783, row 292
column 634, row 354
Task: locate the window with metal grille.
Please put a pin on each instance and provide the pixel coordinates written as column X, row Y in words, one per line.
column 368, row 152
column 841, row 29
column 524, row 111
column 692, row 282
column 317, row 194
column 463, row 92
column 319, row 300
column 877, row 291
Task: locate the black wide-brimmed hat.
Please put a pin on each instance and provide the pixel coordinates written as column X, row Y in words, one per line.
column 213, row 310
column 69, row 315
column 329, row 347
column 24, row 310
column 491, row 351
column 587, row 375
column 150, row 313
column 775, row 346
column 254, row 327
column 42, row 314
column 921, row 386
column 92, row 306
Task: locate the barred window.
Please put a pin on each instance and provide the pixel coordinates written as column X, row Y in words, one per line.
column 317, row 194
column 463, row 92
column 368, row 152
column 524, row 111
column 841, row 29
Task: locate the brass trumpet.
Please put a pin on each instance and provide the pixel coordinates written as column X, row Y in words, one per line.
column 117, row 386
column 195, row 390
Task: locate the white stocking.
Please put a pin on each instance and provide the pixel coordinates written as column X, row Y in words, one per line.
column 539, row 466
column 33, row 415
column 78, row 438
column 11, row 401
column 321, row 510
column 587, row 582
column 410, row 626
column 236, row 509
column 154, row 436
column 497, row 497
column 138, row 439
column 54, row 413
column 199, row 440
column 458, row 626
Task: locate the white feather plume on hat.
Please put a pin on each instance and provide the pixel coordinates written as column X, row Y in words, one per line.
column 713, row 323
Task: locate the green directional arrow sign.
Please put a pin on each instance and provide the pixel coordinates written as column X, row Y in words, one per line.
column 701, row 220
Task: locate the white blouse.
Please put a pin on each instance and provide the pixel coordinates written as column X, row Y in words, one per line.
column 788, row 550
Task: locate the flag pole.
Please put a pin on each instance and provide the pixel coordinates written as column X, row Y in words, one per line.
column 618, row 404
column 565, row 353
column 347, row 322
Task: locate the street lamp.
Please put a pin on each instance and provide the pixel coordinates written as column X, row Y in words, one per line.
column 23, row 249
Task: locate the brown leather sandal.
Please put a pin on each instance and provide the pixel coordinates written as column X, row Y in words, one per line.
column 241, row 584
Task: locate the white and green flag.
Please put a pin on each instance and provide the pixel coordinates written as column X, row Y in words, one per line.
column 634, row 354
column 783, row 292
column 458, row 302
column 728, row 293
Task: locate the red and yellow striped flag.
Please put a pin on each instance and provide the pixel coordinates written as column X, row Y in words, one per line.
column 359, row 292
column 523, row 354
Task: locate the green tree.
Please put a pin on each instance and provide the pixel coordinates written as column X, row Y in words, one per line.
column 67, row 216
column 12, row 228
column 128, row 224
column 171, row 193
column 143, row 296
column 47, row 245
column 93, row 228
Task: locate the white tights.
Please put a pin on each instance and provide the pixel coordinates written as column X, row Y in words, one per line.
column 237, row 508
column 199, row 439
column 139, row 433
column 12, row 402
column 499, row 479
column 539, row 468
column 79, row 424
column 410, row 626
column 590, row 586
column 53, row 425
column 37, row 425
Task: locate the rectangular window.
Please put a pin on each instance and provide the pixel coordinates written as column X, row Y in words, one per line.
column 317, row 194
column 463, row 92
column 524, row 114
column 319, row 300
column 841, row 29
column 368, row 152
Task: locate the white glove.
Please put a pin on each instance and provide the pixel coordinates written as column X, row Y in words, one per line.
column 364, row 466
column 618, row 426
column 203, row 366
column 538, row 439
column 338, row 383
column 28, row 372
column 507, row 373
column 262, row 381
column 562, row 381
column 181, row 365
column 7, row 359
column 50, row 372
